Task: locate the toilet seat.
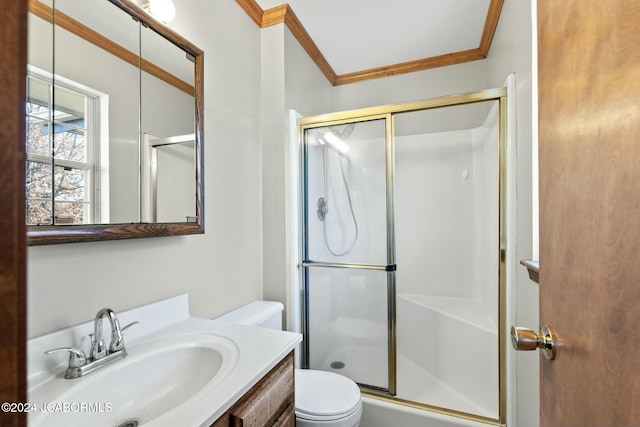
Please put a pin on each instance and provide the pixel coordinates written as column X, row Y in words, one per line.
column 325, row 396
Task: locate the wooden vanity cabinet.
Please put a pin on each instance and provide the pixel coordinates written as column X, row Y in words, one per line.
column 270, row 403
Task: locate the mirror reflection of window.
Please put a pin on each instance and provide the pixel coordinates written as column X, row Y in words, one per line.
column 63, row 151
column 99, row 47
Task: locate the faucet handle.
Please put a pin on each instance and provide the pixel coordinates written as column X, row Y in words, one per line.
column 117, row 342
column 128, row 326
column 98, row 349
column 77, row 357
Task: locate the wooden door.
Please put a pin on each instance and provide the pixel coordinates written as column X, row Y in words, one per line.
column 13, row 63
column 589, row 129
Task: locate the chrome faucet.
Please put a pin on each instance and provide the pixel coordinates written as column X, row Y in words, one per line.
column 98, row 350
column 99, row 357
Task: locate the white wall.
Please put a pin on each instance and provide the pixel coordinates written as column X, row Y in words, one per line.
column 221, row 269
column 461, row 78
column 274, row 145
column 290, row 80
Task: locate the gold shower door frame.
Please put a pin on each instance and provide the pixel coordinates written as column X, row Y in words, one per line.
column 388, row 113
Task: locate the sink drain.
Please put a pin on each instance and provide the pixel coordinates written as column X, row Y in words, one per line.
column 129, row 423
column 337, row 365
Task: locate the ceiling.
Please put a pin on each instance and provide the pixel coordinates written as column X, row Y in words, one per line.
column 354, row 40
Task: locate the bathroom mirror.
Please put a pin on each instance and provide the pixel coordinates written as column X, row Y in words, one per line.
column 114, row 124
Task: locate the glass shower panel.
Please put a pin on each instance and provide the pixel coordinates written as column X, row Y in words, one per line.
column 348, row 318
column 447, row 252
column 346, row 193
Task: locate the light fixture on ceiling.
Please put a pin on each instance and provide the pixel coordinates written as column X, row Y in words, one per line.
column 162, row 10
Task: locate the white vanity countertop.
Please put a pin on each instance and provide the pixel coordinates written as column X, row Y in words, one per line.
column 258, row 351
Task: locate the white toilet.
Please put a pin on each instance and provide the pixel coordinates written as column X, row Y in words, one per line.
column 323, row 399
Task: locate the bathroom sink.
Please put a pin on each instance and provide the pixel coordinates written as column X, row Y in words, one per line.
column 155, row 378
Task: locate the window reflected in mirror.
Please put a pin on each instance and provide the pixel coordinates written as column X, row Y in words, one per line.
column 63, row 151
column 100, row 86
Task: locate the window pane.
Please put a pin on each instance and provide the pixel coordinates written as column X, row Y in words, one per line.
column 57, row 184
column 38, row 193
column 40, row 110
column 37, row 110
column 38, row 212
column 37, row 97
column 69, row 106
column 69, row 125
column 69, row 143
column 70, row 213
column 37, row 136
column 38, row 180
column 69, row 184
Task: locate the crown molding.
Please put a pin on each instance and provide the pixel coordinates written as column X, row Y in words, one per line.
column 74, row 27
column 490, row 25
column 252, row 9
column 411, row 66
column 284, row 15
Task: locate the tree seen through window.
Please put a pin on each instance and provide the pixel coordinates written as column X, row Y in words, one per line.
column 59, row 167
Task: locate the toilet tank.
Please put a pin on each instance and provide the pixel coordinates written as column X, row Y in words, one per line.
column 265, row 314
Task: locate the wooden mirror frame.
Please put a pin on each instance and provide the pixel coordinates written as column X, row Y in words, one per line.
column 49, row 234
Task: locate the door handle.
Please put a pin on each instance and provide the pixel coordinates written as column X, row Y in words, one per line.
column 526, row 339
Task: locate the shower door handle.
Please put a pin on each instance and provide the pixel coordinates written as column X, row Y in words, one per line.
column 526, row 339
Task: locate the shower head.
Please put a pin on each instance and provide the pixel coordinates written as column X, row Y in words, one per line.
column 334, row 142
column 335, row 136
column 343, row 132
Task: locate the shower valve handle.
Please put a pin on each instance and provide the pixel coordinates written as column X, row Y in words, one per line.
column 526, row 339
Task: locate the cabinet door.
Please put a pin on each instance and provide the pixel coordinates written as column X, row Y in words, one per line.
column 268, row 400
column 270, row 403
column 288, row 418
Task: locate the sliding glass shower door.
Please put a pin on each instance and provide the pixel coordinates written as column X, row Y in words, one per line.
column 447, row 186
column 404, row 251
column 349, row 285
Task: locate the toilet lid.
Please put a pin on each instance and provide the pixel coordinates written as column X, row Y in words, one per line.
column 322, row 394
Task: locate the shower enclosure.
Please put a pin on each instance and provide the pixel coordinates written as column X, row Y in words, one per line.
column 403, row 249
